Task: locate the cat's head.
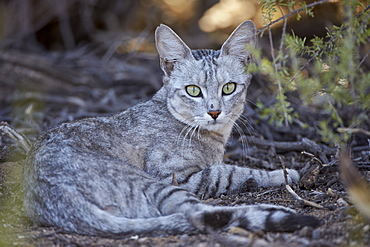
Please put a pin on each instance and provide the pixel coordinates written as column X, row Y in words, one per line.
column 206, row 88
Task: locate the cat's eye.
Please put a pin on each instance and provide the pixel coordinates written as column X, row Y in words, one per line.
column 193, row 91
column 228, row 88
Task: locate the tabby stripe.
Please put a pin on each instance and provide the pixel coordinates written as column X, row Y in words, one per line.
column 269, row 224
column 187, row 178
column 146, row 190
column 132, row 190
column 158, row 190
column 261, row 174
column 197, row 167
column 168, row 195
column 230, row 179
column 190, row 201
column 205, row 75
column 204, row 179
column 214, row 189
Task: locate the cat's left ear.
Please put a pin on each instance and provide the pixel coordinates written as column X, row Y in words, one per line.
column 170, row 47
column 236, row 44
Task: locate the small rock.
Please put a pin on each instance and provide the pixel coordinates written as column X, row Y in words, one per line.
column 316, row 234
column 135, row 237
column 240, row 231
column 342, row 203
column 366, row 228
column 306, row 231
column 184, row 236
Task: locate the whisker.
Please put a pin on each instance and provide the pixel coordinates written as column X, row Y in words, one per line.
column 247, row 124
column 241, row 133
column 192, row 134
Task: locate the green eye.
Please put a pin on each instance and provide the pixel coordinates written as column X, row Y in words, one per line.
column 228, row 88
column 193, row 91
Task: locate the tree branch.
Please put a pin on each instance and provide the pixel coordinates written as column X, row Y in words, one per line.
column 290, row 14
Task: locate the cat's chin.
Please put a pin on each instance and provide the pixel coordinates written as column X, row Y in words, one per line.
column 220, row 127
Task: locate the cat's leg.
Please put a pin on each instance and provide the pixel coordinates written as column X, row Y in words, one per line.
column 225, row 179
column 173, row 200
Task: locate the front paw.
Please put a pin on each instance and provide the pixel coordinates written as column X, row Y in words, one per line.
column 293, row 176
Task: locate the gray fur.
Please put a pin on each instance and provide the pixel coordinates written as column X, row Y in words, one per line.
column 113, row 176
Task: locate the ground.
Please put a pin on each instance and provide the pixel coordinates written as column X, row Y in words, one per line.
column 41, row 90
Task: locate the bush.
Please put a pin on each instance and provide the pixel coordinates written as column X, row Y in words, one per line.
column 329, row 73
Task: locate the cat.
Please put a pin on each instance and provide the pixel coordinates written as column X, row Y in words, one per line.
column 144, row 171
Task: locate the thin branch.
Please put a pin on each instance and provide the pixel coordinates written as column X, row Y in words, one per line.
column 363, row 60
column 301, row 69
column 290, row 14
column 284, row 30
column 280, row 87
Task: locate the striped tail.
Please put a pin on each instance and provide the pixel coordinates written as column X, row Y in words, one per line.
column 261, row 217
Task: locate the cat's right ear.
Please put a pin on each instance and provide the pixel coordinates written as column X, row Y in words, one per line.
column 170, row 47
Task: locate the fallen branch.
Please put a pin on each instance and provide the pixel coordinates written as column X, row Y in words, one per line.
column 304, row 145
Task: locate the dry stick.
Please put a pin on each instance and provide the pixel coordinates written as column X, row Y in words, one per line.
column 18, row 137
column 292, row 192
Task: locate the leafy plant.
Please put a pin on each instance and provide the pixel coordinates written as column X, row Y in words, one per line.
column 329, row 70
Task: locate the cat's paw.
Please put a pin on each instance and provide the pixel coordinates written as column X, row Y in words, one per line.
column 277, row 178
column 293, row 176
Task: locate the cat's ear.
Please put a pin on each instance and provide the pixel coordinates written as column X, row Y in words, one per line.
column 170, row 47
column 240, row 41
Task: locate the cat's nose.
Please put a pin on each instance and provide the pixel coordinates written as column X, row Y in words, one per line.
column 214, row 114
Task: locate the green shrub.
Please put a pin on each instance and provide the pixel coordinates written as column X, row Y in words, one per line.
column 326, row 72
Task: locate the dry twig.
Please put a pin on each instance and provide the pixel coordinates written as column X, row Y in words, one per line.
column 16, row 136
column 293, row 193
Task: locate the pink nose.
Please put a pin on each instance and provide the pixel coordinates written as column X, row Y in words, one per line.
column 214, row 114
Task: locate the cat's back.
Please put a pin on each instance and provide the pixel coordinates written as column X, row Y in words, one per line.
column 124, row 136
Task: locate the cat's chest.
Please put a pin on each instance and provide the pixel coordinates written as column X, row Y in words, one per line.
column 169, row 148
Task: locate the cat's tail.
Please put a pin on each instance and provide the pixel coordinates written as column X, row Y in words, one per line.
column 261, row 217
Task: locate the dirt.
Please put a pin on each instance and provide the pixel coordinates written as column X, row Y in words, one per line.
column 33, row 101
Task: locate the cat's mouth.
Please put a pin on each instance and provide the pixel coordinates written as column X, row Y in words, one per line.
column 215, row 123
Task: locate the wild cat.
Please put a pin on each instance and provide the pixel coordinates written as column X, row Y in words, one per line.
column 143, row 171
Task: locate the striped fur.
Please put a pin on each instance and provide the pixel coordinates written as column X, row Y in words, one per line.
column 114, row 176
